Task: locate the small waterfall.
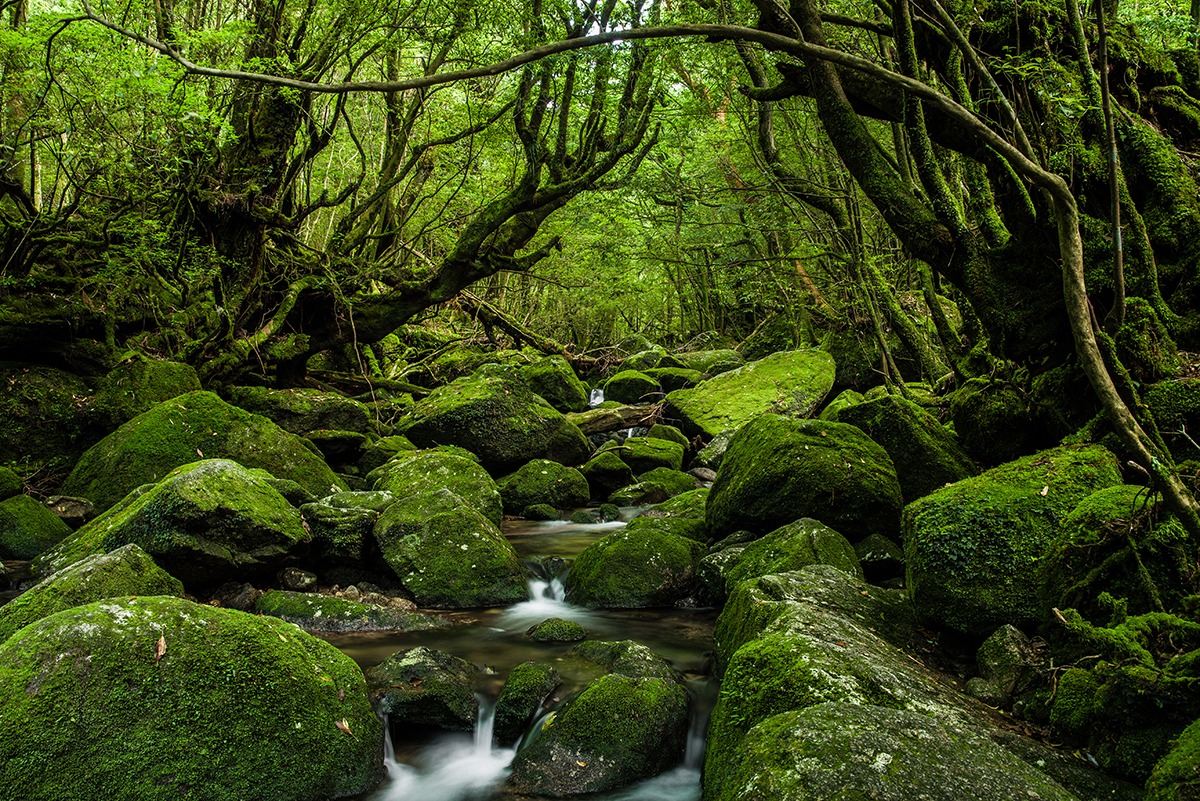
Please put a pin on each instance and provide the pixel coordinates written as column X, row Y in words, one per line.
column 595, row 398
column 547, row 598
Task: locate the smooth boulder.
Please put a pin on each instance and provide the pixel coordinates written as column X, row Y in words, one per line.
column 418, row 472
column 643, row 564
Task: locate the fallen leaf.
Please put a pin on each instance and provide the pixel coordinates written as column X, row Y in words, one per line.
column 343, row 727
column 160, row 648
column 1045, row 490
column 200, row 453
column 581, row 764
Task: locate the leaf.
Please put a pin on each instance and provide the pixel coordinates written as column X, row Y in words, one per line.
column 160, row 648
column 581, row 764
column 199, row 453
column 1045, row 490
column 343, row 726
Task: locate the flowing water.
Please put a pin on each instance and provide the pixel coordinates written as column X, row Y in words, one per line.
column 467, row 767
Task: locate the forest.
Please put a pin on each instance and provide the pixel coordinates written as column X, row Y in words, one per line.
column 630, row 399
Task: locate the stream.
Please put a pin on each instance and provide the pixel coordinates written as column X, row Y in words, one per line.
column 446, row 766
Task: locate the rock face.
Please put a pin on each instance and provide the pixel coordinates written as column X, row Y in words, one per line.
column 447, row 555
column 27, row 528
column 972, row 549
column 497, row 418
column 641, row 565
column 127, row 571
column 543, row 482
column 159, row 690
column 777, row 470
column 925, row 454
column 839, row 750
column 204, row 523
column 426, row 687
column 627, row 725
column 341, row 524
column 177, row 432
column 415, row 473
column 791, row 383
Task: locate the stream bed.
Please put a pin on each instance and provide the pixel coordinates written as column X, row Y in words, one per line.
column 468, row 767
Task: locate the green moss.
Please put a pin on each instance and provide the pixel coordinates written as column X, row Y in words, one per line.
column 669, row 433
column 1176, row 777
column 10, row 484
column 427, row 687
column 1144, row 345
column 1074, row 708
column 178, row 431
column 791, row 547
column 993, row 421
column 972, row 549
column 845, row 399
column 711, row 362
column 682, row 515
column 414, row 473
column 553, row 379
column 303, row 410
column 381, row 451
column 543, row 482
column 672, row 378
column 630, row 386
column 27, row 528
column 137, row 384
column 526, row 688
column 313, row 612
column 1176, row 408
column 606, row 472
column 792, row 383
column 544, row 511
column 447, row 555
column 41, row 420
column 777, row 470
column 556, row 629
column 90, row 711
column 127, row 571
column 642, row 565
column 643, row 454
column 654, row 486
column 644, row 359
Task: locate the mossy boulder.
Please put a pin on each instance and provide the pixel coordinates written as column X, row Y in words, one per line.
column 1176, row 407
column 10, row 484
column 647, row 359
column 626, row 725
column 926, row 455
column 205, row 523
column 178, row 431
column 682, row 515
column 1176, row 777
column 544, row 511
column 556, row 629
column 643, row 454
column 526, row 687
column 543, row 482
column 426, row 687
column 669, row 433
column 641, row 565
column 138, row 699
column 28, row 528
column 447, row 555
column 880, row 558
column 303, row 410
column 654, row 486
column 606, row 472
column 672, row 378
column 710, row 455
column 41, row 419
column 845, row 399
column 1144, row 345
column 127, row 571
column 791, row 547
column 860, row 751
column 134, row 386
column 631, row 386
column 994, row 421
column 341, row 524
column 791, row 383
column 325, row 613
column 499, row 419
column 711, row 362
column 778, row 469
column 553, row 379
column 416, row 473
column 972, row 550
column 382, row 451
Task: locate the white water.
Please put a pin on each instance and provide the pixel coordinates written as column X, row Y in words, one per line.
column 595, row 398
column 546, row 599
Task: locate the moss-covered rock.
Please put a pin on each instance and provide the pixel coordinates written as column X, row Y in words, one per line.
column 554, row 380
column 382, row 451
column 880, row 558
column 792, row 383
column 544, row 511
column 134, row 386
column 631, row 386
column 606, row 472
column 1144, row 345
column 205, row 523
column 972, row 549
column 641, row 565
column 669, row 433
column 710, row 455
column 10, row 484
column 497, row 418
column 711, row 362
column 526, row 687
column 845, row 399
column 682, row 515
column 654, row 486
column 645, row 359
column 994, row 421
column 447, row 555
column 127, row 571
column 791, row 547
column 416, row 473
column 620, row 729
column 303, row 410
column 556, row 629
column 1176, row 407
column 139, row 699
column 314, row 612
column 341, row 524
column 643, row 454
column 543, row 482
column 27, row 528
column 41, row 420
column 178, row 431
column 778, row 469
column 426, row 687
column 672, row 378
column 925, row 454
column 1176, row 777
column 858, row 751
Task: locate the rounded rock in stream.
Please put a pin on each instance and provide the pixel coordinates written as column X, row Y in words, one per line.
column 427, row 687
column 161, row 698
